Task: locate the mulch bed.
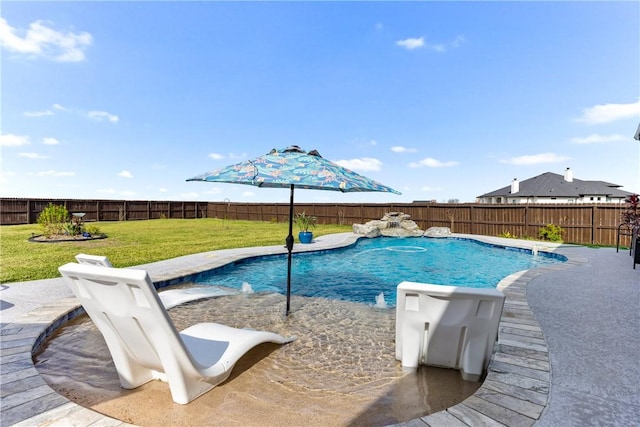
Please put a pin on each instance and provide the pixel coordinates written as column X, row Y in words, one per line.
column 65, row 238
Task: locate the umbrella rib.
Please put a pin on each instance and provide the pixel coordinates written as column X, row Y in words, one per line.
column 255, row 168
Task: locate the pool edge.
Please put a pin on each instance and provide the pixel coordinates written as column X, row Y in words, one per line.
column 517, row 384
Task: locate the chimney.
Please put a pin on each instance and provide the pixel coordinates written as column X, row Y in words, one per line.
column 568, row 175
column 515, row 186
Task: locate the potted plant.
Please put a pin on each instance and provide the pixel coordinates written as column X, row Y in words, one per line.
column 305, row 223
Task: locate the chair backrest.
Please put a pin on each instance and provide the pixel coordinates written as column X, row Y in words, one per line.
column 125, row 307
column 447, row 326
column 93, row 260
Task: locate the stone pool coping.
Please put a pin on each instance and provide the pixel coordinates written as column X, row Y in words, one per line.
column 515, row 391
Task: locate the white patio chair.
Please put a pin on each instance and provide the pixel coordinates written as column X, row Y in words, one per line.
column 171, row 297
column 144, row 342
column 94, row 260
column 447, row 326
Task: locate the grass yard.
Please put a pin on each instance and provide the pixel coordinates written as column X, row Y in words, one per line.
column 136, row 242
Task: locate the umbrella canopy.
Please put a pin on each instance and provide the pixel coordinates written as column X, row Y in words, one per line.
column 289, row 168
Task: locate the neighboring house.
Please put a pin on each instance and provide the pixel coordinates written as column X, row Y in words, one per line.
column 553, row 188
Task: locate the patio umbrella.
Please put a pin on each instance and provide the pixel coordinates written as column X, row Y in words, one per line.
column 290, row 168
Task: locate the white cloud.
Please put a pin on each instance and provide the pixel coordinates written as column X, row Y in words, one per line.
column 432, row 163
column 157, row 166
column 599, row 139
column 401, row 149
column 606, row 113
column 103, row 115
column 415, row 43
column 379, row 26
column 125, row 174
column 248, row 194
column 430, row 189
column 55, row 173
column 457, row 42
column 536, row 159
column 214, row 190
column 38, row 113
column 10, row 140
column 163, row 190
column 42, row 41
column 216, row 156
column 363, row 164
column 128, row 193
column 50, row 141
column 99, row 116
column 32, row 155
column 411, row 43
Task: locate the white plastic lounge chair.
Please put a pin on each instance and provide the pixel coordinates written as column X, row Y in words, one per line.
column 171, row 297
column 447, row 326
column 144, row 342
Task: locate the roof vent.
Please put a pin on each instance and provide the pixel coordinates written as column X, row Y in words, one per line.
column 568, row 175
column 515, row 186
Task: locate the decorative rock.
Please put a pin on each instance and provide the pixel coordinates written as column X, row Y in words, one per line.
column 407, row 224
column 366, row 230
column 378, row 224
column 401, row 232
column 394, row 224
column 438, row 232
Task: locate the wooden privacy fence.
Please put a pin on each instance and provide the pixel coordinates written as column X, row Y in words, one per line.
column 582, row 224
column 26, row 211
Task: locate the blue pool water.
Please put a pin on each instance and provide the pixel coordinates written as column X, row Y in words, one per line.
column 361, row 272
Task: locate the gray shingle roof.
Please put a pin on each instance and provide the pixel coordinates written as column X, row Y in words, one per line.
column 551, row 184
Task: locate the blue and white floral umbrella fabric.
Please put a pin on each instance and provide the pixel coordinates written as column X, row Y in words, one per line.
column 293, row 166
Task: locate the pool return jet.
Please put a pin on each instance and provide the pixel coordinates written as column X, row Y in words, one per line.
column 293, row 167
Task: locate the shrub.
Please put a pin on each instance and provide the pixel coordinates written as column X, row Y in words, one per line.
column 551, row 232
column 52, row 219
column 507, row 234
column 94, row 230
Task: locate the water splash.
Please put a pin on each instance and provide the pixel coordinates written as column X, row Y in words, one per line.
column 380, row 302
column 246, row 288
column 534, row 250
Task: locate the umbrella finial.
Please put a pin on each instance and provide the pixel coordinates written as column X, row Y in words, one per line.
column 293, row 149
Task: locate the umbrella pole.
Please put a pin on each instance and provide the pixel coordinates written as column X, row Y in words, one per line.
column 289, row 243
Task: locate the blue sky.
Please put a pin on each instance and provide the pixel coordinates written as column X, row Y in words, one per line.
column 439, row 100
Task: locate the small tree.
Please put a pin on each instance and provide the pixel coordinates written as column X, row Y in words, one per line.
column 631, row 216
column 52, row 219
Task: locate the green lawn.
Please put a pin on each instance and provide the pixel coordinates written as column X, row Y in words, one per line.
column 136, row 242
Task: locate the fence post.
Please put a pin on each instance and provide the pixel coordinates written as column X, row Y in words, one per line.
column 594, row 226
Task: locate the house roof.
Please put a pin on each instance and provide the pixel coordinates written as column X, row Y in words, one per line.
column 551, row 184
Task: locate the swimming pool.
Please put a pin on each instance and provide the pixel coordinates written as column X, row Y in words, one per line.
column 360, row 272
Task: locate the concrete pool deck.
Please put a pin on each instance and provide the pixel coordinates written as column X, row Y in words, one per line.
column 567, row 349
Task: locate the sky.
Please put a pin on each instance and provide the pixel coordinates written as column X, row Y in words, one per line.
column 441, row 101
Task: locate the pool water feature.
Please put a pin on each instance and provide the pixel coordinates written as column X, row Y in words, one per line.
column 361, row 272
